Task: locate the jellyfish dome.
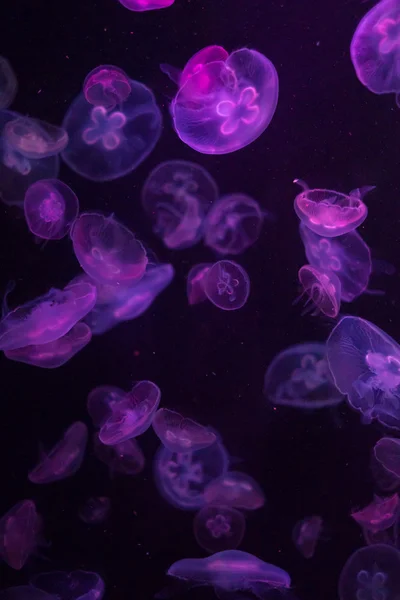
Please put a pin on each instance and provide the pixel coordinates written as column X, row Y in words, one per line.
column 375, row 49
column 323, row 289
column 225, row 104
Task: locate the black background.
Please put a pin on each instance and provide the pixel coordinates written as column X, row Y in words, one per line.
column 209, row 364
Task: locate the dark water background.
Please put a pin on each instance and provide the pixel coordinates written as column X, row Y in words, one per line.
column 209, row 364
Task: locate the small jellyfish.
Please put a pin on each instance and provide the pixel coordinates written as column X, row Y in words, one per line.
column 95, row 510
column 226, row 103
column 179, row 434
column 107, row 250
column 306, row 534
column 329, row 213
column 379, row 515
column 76, row 585
column 34, row 138
column 233, row 224
column 371, row 573
column 181, row 477
column 20, row 533
column 50, row 208
column 365, row 364
column 195, row 283
column 387, row 452
column 177, row 195
column 323, row 289
column 125, row 458
column 8, row 83
column 375, row 49
column 64, row 459
column 218, row 528
column 300, row 377
column 234, row 489
column 227, row 285
column 142, row 5
column 108, row 142
column 106, row 86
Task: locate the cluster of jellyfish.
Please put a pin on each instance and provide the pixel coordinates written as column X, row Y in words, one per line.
column 223, row 102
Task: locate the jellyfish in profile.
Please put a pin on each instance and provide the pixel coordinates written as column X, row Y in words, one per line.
column 107, row 86
column 106, row 140
column 177, row 195
column 379, row 515
column 225, row 101
column 365, row 364
column 234, row 489
column 323, row 289
column 76, row 585
column 34, row 138
column 227, row 285
column 375, row 49
column 64, row 459
column 180, row 434
column 387, row 453
column 124, row 458
column 219, row 528
column 20, row 533
column 50, row 208
column 95, row 510
column 8, row 83
column 372, row 573
column 306, row 534
column 300, row 377
column 195, row 283
column 329, row 213
column 142, row 5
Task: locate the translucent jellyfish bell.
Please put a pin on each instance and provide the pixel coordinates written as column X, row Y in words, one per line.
column 323, row 289
column 300, row 377
column 306, row 534
column 125, row 458
column 142, row 5
column 20, row 533
column 375, row 49
column 235, row 489
column 95, row 510
column 218, row 528
column 195, row 283
column 227, row 104
column 107, row 86
column 8, row 83
column 177, row 195
column 227, row 285
column 50, row 208
column 365, row 364
column 387, row 452
column 379, row 515
column 76, row 585
column 329, row 213
column 179, row 434
column 34, row 138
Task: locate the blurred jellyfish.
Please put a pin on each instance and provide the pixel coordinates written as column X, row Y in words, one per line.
column 177, row 195
column 95, row 510
column 323, row 289
column 379, row 515
column 142, row 5
column 235, row 489
column 365, row 364
column 387, row 452
column 20, row 533
column 306, row 534
column 125, row 458
column 218, row 528
column 227, row 285
column 76, row 585
column 106, row 86
column 8, row 83
column 385, row 480
column 300, row 377
column 34, row 138
column 179, row 434
column 195, row 283
column 65, row 459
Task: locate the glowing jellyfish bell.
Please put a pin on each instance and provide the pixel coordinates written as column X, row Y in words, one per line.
column 323, row 289
column 142, row 5
column 34, row 138
column 375, row 49
column 227, row 285
column 106, row 86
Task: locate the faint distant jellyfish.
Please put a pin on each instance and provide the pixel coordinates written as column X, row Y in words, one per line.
column 300, row 377
column 195, row 283
column 387, row 452
column 125, row 458
column 329, row 213
column 226, row 104
column 177, row 195
column 365, row 364
column 8, row 83
column 50, row 208
column 74, row 585
column 379, row 515
column 227, row 285
column 234, row 489
column 179, row 434
column 106, row 86
column 20, row 533
column 181, row 477
column 34, row 138
column 385, row 481
column 105, row 144
column 306, row 534
column 323, row 289
column 95, row 510
column 101, row 401
column 107, row 250
column 64, row 459
column 371, row 573
column 218, row 528
column 375, row 49
column 142, row 5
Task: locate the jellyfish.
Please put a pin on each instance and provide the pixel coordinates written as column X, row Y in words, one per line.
column 219, row 528
column 8, row 83
column 107, row 86
column 323, row 289
column 108, row 141
column 375, row 49
column 34, row 138
column 181, row 477
column 64, row 459
column 177, row 195
column 50, row 208
column 227, row 285
column 306, row 534
column 387, row 453
column 76, row 585
column 179, row 434
column 379, row 515
column 225, row 101
column 195, row 283
column 20, row 533
column 372, row 573
column 107, row 250
column 124, row 458
column 300, row 377
column 95, row 510
column 142, row 5
column 329, row 213
column 365, row 364
column 234, row 489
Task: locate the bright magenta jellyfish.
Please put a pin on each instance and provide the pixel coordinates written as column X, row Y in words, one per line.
column 323, row 289
column 107, row 86
column 378, row 515
column 142, row 5
column 329, row 213
column 375, row 49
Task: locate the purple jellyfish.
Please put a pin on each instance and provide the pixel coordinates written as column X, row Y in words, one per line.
column 142, row 5
column 387, row 453
column 306, row 534
column 365, row 364
column 77, row 585
column 95, row 510
column 225, row 102
column 179, row 434
column 34, row 138
column 20, row 533
column 195, row 283
column 375, row 49
column 323, row 289
column 227, row 285
column 300, row 377
column 106, row 86
column 219, row 528
column 107, row 250
column 379, row 515
column 125, row 458
column 177, row 195
column 235, row 489
column 108, row 142
column 50, row 208
column 8, row 83
column 64, row 459
column 328, row 213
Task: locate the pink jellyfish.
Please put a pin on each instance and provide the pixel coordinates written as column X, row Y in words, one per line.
column 323, row 289
column 106, row 86
column 379, row 515
column 142, row 5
